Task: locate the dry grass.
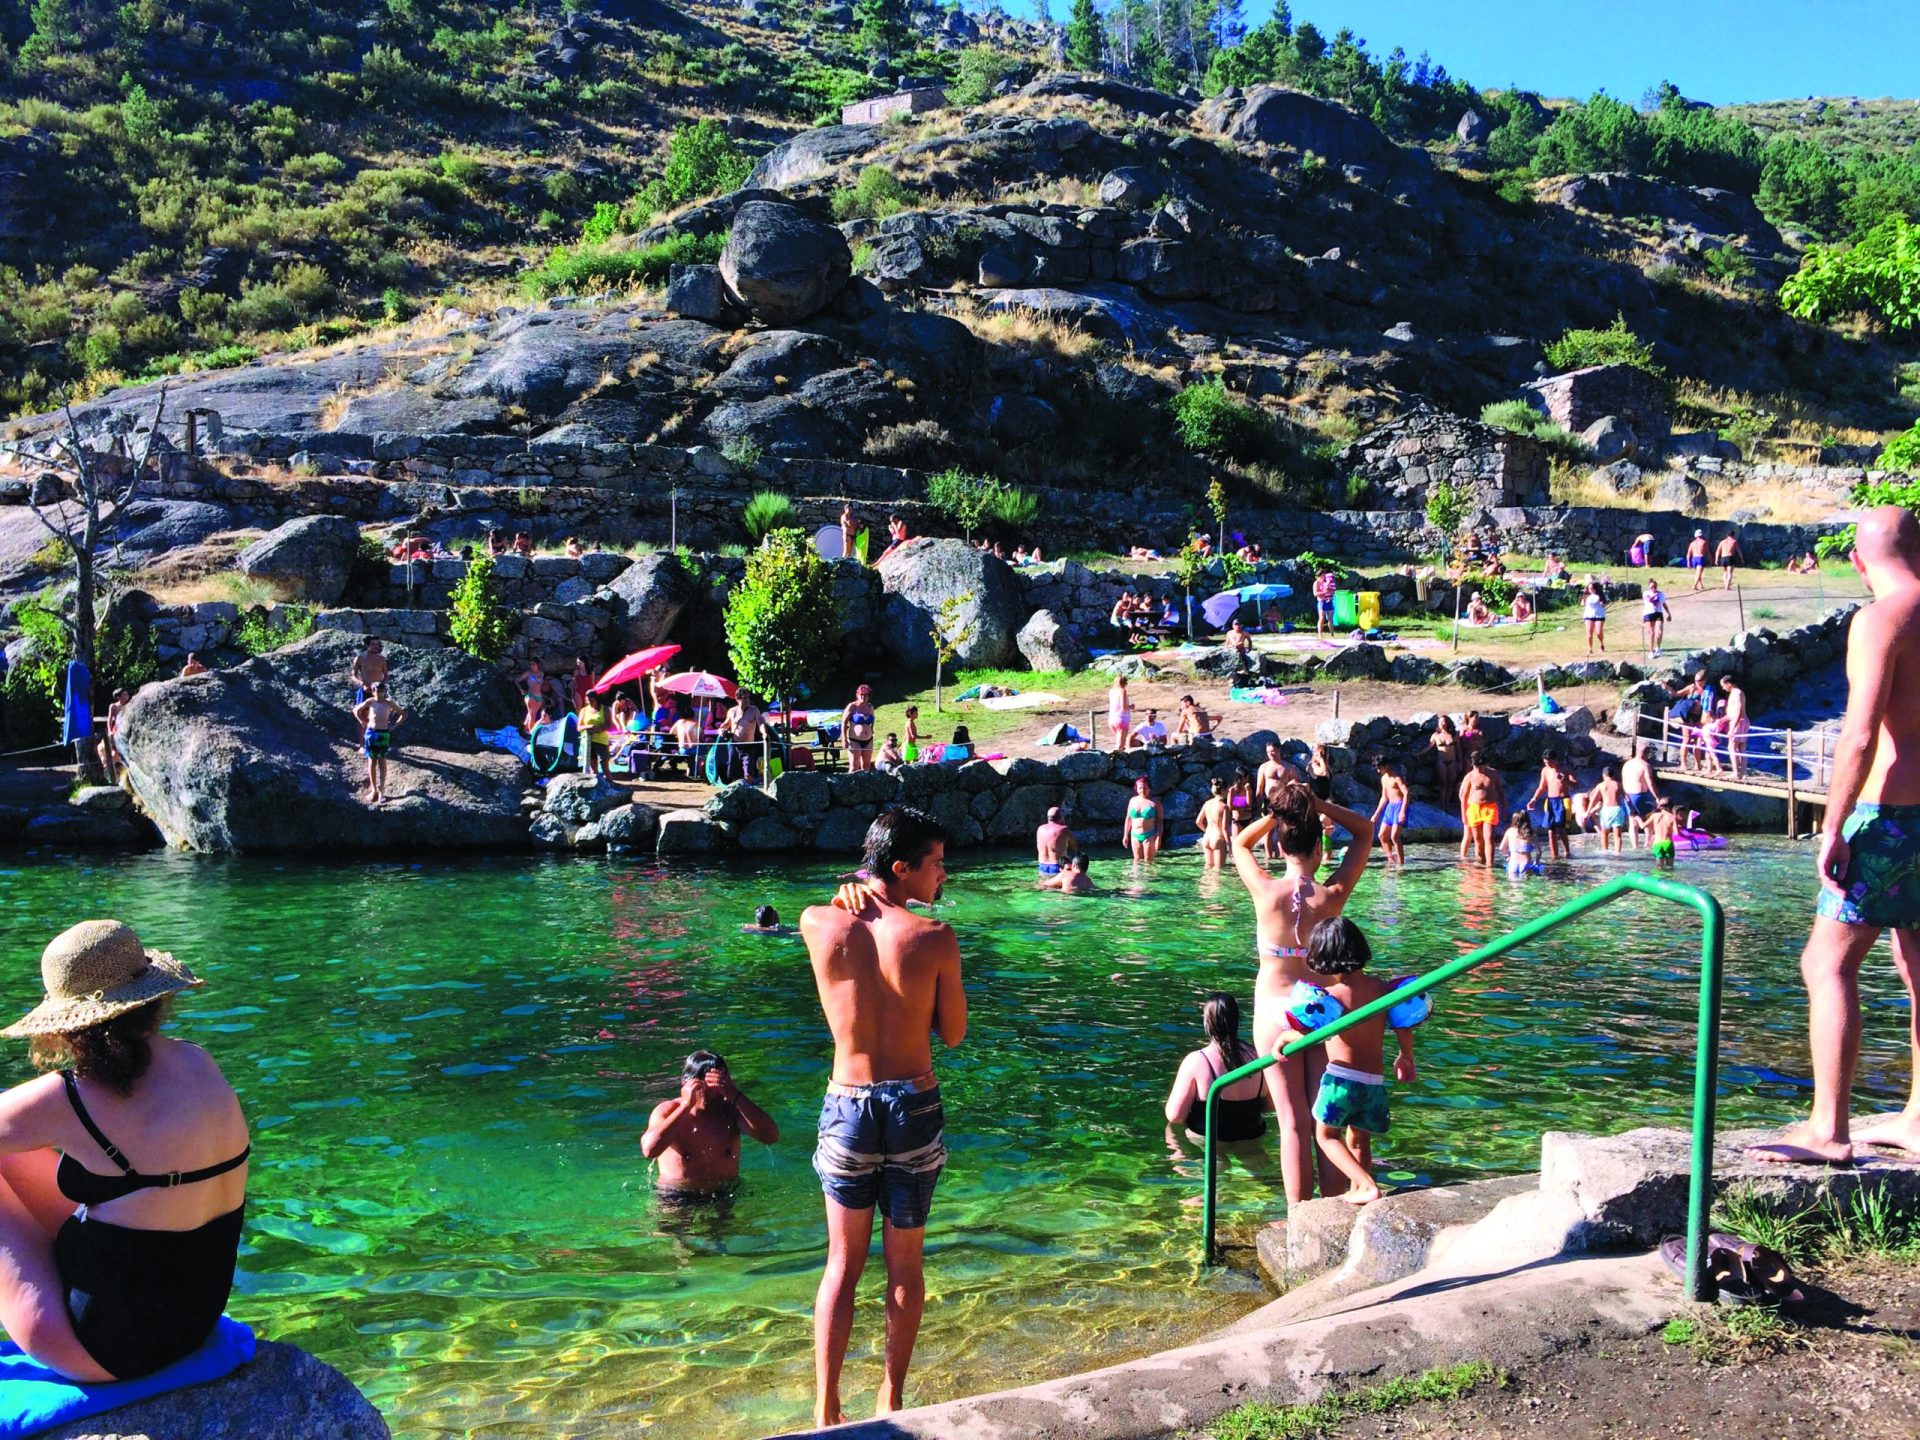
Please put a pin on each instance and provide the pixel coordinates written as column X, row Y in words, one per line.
column 1571, row 484
column 1028, row 330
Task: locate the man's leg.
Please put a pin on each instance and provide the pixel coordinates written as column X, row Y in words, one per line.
column 1901, row 1130
column 1830, row 966
column 849, row 1234
column 906, row 1302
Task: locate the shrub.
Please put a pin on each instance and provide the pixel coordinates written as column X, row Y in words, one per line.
column 1515, row 415
column 1615, row 345
column 875, row 195
column 978, row 70
column 1447, row 507
column 596, row 269
column 260, row 635
column 1901, row 453
column 701, row 160
column 916, row 442
column 767, row 512
column 1215, row 423
column 782, row 622
column 1014, row 508
column 1878, row 276
column 963, row 497
column 263, row 307
column 476, row 619
column 743, row 452
column 1728, row 265
column 602, row 224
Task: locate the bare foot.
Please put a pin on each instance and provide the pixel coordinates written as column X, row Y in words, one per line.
column 1897, row 1131
column 825, row 1415
column 1362, row 1194
column 1800, row 1145
column 886, row 1402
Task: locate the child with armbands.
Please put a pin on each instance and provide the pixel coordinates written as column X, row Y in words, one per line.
column 1352, row 1104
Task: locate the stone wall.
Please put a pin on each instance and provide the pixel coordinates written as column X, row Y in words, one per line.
column 1579, row 397
column 1402, row 461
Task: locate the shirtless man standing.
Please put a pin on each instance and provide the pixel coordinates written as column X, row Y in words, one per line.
column 1551, row 795
column 887, row 978
column 369, row 669
column 377, row 717
column 1270, row 782
column 1734, row 722
column 1727, row 555
column 1053, row 844
column 1869, row 861
column 1482, row 798
column 695, row 1138
column 1643, row 796
column 743, row 724
column 1697, row 559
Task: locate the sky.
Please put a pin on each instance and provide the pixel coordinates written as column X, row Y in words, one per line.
column 1720, row 51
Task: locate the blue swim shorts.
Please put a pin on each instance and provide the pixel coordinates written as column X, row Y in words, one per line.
column 1049, row 867
column 1556, row 812
column 1882, row 884
column 882, row 1145
column 1352, row 1098
column 1393, row 814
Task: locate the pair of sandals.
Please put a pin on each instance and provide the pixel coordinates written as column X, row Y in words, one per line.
column 1742, row 1272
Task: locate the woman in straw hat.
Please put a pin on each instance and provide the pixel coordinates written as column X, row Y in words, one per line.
column 116, row 1254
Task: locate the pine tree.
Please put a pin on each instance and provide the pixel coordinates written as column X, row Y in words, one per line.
column 1083, row 36
column 882, row 26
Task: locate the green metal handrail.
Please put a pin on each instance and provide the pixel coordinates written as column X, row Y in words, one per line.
column 1706, row 1043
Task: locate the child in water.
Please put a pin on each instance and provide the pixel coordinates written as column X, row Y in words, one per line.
column 1351, row 1107
column 1663, row 827
column 1608, row 800
column 1521, row 860
column 1072, row 879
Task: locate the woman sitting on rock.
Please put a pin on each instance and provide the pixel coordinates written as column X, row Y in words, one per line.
column 118, row 1262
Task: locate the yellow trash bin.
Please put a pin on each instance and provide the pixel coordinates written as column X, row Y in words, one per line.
column 1369, row 609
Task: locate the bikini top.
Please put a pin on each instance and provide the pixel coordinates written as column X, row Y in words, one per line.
column 87, row 1187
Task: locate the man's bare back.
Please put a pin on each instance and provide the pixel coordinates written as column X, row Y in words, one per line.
column 880, row 981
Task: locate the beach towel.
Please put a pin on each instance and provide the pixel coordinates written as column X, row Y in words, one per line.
column 1022, row 702
column 33, row 1398
column 1061, row 734
column 507, row 738
column 76, row 704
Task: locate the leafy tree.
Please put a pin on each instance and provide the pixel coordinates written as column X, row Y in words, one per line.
column 1801, row 183
column 782, row 623
column 53, row 30
column 1083, row 36
column 951, row 634
column 1217, row 507
column 1902, row 452
column 978, row 70
column 963, row 497
column 881, row 26
column 1878, row 276
column 701, row 160
column 476, row 618
column 1213, row 422
column 1447, row 509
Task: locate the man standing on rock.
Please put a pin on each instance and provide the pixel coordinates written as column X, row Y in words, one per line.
column 887, row 978
column 378, row 717
column 1870, row 853
column 369, row 669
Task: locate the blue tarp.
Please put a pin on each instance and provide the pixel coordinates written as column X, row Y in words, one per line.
column 76, row 705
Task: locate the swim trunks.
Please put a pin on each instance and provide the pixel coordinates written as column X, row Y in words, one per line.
column 1556, row 809
column 1392, row 815
column 378, row 742
column 882, row 1144
column 1696, row 562
column 1642, row 803
column 1325, row 606
column 1352, row 1098
column 1662, row 850
column 1049, row 867
column 1482, row 814
column 1613, row 817
column 1882, row 885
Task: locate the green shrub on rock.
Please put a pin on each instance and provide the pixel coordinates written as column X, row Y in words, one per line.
column 875, row 195
column 1217, row 424
column 767, row 512
column 782, row 623
column 701, row 160
column 1615, row 345
column 476, row 619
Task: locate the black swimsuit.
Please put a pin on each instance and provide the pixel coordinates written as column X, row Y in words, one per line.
column 1233, row 1119
column 140, row 1299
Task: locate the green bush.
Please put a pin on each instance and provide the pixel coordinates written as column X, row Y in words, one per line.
column 259, row 634
column 1217, row 424
column 1615, row 345
column 264, row 307
column 782, row 622
column 596, row 269
column 602, row 224
column 766, row 512
column 1879, row 276
column 701, row 160
column 1902, row 452
column 1515, row 415
column 875, row 195
column 1014, row 508
column 978, row 70
column 476, row 618
column 1729, row 266
column 743, row 452
column 963, row 497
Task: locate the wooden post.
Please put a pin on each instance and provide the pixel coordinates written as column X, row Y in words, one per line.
column 1740, row 600
column 1093, row 733
column 1336, row 702
column 1459, row 585
column 1820, row 772
column 1793, row 798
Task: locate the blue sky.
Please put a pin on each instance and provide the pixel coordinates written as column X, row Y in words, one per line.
column 1723, row 51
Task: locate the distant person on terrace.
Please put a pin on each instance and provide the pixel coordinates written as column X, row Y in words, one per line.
column 1727, row 556
column 896, row 535
column 522, row 546
column 1522, row 610
column 1869, row 861
column 1324, row 585
column 849, row 529
column 1238, row 640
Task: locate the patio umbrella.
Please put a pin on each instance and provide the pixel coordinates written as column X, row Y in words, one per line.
column 641, row 662
column 699, row 683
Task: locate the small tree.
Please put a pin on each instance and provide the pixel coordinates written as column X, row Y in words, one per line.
column 782, row 622
column 963, row 497
column 1083, row 36
column 1447, row 512
column 881, row 26
column 475, row 617
column 1217, row 507
column 951, row 633
column 1188, row 566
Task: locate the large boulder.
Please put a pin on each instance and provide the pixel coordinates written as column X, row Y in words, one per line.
column 1273, row 115
column 266, row 756
column 922, row 575
column 782, row 266
column 1047, row 644
column 283, row 1392
column 308, row 559
column 812, row 154
column 647, row 597
column 1610, row 438
column 152, row 527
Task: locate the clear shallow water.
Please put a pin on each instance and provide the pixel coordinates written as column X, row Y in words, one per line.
column 448, row 1066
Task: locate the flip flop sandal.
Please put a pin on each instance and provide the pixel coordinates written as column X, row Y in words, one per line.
column 1724, row 1268
column 1766, row 1270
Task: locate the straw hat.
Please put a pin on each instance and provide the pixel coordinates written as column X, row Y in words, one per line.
column 95, row 971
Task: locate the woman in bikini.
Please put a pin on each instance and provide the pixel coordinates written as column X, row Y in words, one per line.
column 1286, row 907
column 1119, row 712
column 1445, row 744
column 1216, row 824
column 1145, row 823
column 533, row 686
column 856, row 730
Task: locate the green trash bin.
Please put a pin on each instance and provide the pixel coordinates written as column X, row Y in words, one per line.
column 1345, row 610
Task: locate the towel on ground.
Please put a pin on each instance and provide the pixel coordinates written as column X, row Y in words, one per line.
column 1026, row 701
column 34, row 1398
column 507, row 738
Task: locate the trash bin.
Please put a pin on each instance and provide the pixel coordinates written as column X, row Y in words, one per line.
column 1344, row 616
column 1369, row 609
column 1420, row 587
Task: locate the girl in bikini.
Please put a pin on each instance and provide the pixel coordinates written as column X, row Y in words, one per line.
column 1119, row 713
column 534, row 687
column 1215, row 821
column 1286, row 907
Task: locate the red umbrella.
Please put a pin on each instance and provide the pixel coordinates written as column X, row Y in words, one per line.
column 641, row 662
column 700, row 683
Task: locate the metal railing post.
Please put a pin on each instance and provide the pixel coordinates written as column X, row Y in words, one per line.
column 1706, row 1044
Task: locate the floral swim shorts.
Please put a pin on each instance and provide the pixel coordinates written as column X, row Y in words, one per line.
column 1352, row 1099
column 1882, row 884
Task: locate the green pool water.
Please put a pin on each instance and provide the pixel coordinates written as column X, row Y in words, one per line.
column 448, row 1065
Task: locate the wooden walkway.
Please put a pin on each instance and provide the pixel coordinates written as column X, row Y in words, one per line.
column 1790, row 765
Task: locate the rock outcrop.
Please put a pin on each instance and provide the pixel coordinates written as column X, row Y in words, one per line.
column 647, row 597
column 266, row 756
column 283, row 1393
column 781, row 266
column 924, row 574
column 1274, row 115
column 1047, row 644
column 309, row 559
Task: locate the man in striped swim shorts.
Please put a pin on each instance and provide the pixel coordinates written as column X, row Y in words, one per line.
column 888, row 979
